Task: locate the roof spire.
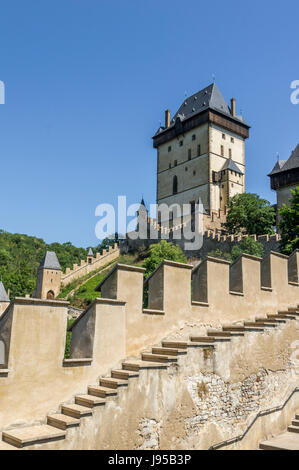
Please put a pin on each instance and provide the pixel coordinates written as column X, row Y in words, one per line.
column 50, row 261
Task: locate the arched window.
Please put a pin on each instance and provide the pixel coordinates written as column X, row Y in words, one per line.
column 50, row 295
column 175, row 185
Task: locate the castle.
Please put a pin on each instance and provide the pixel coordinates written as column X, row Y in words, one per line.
column 211, row 363
column 284, row 177
column 201, row 154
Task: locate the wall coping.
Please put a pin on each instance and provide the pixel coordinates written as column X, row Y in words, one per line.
column 167, row 262
column 32, row 300
column 247, row 256
column 280, row 255
column 210, row 258
column 97, row 301
column 122, row 267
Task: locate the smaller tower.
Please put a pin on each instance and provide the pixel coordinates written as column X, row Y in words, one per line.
column 48, row 277
column 142, row 217
column 90, row 256
column 4, row 299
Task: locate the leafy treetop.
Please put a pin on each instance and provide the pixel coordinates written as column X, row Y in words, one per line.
column 249, row 212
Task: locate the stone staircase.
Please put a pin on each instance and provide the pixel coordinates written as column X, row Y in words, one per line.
column 158, row 358
column 286, row 441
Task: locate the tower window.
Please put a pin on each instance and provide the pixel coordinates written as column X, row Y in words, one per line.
column 175, row 163
column 189, row 154
column 232, row 140
column 169, row 148
column 175, row 185
column 193, row 137
column 194, row 172
column 223, row 136
column 169, row 165
column 198, row 150
column 186, row 168
column 229, row 152
column 222, row 150
column 181, row 143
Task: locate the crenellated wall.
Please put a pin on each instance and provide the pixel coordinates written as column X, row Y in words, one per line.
column 212, row 240
column 35, row 379
column 92, row 264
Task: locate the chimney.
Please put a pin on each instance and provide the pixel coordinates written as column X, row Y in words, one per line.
column 233, row 106
column 167, row 118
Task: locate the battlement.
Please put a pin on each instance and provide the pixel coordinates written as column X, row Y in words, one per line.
column 91, row 264
column 32, row 331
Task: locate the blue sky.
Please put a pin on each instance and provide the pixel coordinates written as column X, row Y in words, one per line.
column 87, row 83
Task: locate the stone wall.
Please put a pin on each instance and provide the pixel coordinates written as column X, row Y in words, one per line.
column 86, row 267
column 212, row 240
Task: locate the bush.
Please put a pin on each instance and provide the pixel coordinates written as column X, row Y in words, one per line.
column 289, row 224
column 250, row 213
column 248, row 245
column 161, row 251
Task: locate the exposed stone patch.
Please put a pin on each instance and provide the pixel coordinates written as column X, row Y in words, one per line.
column 230, row 404
column 149, row 431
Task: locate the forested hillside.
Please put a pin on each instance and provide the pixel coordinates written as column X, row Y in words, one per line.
column 20, row 256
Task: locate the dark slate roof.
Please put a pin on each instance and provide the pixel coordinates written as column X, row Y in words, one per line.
column 231, row 165
column 277, row 167
column 3, row 294
column 285, row 165
column 90, row 252
column 50, row 261
column 208, row 98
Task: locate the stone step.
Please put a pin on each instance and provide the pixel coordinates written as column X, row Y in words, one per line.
column 169, row 351
column 61, row 421
column 293, row 429
column 149, row 357
column 202, row 339
column 285, row 441
column 288, row 312
column 175, row 344
column 76, row 411
column 89, row 400
column 297, row 416
column 295, row 422
column 139, row 365
column 123, row 374
column 219, row 333
column 272, row 321
column 234, row 328
column 112, row 382
column 255, row 325
column 194, row 344
column 21, row 437
column 294, row 309
column 6, row 446
column 266, row 323
column 282, row 316
column 102, row 392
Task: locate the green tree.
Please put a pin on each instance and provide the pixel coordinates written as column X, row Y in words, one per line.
column 250, row 213
column 289, row 224
column 248, row 245
column 159, row 252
